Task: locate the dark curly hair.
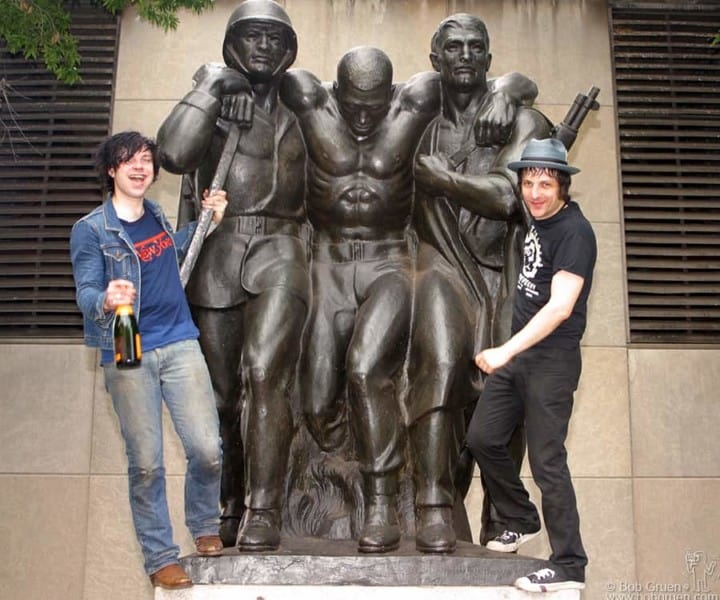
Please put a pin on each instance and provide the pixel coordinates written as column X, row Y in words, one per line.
column 120, row 148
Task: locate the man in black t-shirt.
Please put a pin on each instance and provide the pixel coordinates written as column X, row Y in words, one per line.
column 532, row 376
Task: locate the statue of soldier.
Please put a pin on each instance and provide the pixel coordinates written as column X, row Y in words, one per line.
column 249, row 291
column 469, row 220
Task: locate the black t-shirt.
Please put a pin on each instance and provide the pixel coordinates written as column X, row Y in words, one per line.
column 564, row 242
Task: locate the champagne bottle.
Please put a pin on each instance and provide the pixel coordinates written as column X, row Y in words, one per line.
column 128, row 350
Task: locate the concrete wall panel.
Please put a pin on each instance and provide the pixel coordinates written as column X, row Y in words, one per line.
column 675, row 412
column 677, row 533
column 43, row 526
column 114, row 561
column 46, row 409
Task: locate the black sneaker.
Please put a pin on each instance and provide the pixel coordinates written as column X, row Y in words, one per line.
column 510, row 541
column 547, row 580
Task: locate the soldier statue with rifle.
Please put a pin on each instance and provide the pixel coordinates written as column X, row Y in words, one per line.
column 471, row 225
column 249, row 290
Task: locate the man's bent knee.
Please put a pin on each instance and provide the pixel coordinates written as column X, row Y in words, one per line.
column 482, row 447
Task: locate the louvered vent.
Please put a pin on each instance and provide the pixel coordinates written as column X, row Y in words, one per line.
column 49, row 133
column 667, row 78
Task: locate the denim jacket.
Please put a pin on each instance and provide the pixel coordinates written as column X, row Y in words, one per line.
column 101, row 250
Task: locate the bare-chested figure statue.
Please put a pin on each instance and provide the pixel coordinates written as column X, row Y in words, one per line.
column 360, row 135
column 249, row 291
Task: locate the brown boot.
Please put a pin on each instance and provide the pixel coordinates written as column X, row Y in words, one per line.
column 435, row 531
column 171, row 577
column 209, row 545
column 260, row 530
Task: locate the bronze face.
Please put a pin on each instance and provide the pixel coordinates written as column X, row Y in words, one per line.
column 260, row 48
column 463, row 57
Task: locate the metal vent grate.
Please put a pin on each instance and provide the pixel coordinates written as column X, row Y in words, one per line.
column 667, row 80
column 49, row 133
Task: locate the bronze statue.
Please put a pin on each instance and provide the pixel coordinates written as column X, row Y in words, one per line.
column 360, row 133
column 469, row 220
column 249, row 291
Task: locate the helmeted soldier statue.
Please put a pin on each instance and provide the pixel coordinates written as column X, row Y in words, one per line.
column 249, row 290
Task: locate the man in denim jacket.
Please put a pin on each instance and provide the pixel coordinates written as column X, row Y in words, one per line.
column 125, row 252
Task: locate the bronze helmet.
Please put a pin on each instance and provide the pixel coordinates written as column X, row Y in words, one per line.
column 264, row 11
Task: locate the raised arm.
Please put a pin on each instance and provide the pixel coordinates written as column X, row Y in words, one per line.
column 506, row 95
column 519, row 89
column 421, row 94
column 185, row 135
column 301, row 91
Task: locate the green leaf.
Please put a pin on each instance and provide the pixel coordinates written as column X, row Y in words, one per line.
column 40, row 29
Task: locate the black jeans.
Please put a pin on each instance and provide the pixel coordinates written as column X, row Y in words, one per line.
column 536, row 387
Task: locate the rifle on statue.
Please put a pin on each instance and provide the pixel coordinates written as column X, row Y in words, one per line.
column 206, row 214
column 566, row 131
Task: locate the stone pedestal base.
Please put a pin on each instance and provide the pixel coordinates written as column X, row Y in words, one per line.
column 312, row 569
column 352, row 592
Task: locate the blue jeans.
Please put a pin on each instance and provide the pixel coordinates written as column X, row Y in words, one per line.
column 178, row 374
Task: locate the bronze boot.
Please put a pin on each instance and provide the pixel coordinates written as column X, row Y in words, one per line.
column 260, row 530
column 435, row 531
column 229, row 530
column 381, row 530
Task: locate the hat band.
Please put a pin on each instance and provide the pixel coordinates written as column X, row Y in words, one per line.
column 543, row 159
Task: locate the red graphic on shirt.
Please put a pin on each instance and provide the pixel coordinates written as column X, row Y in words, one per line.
column 151, row 248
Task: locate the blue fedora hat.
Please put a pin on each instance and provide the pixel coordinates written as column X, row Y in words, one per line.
column 544, row 154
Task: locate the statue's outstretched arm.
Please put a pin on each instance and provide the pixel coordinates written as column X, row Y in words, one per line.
column 421, row 94
column 506, row 95
column 518, row 87
column 302, row 91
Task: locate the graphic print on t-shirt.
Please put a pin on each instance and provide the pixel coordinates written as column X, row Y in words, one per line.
column 164, row 316
column 532, row 261
column 153, row 247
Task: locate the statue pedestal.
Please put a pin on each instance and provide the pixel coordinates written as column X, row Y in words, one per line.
column 312, row 568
